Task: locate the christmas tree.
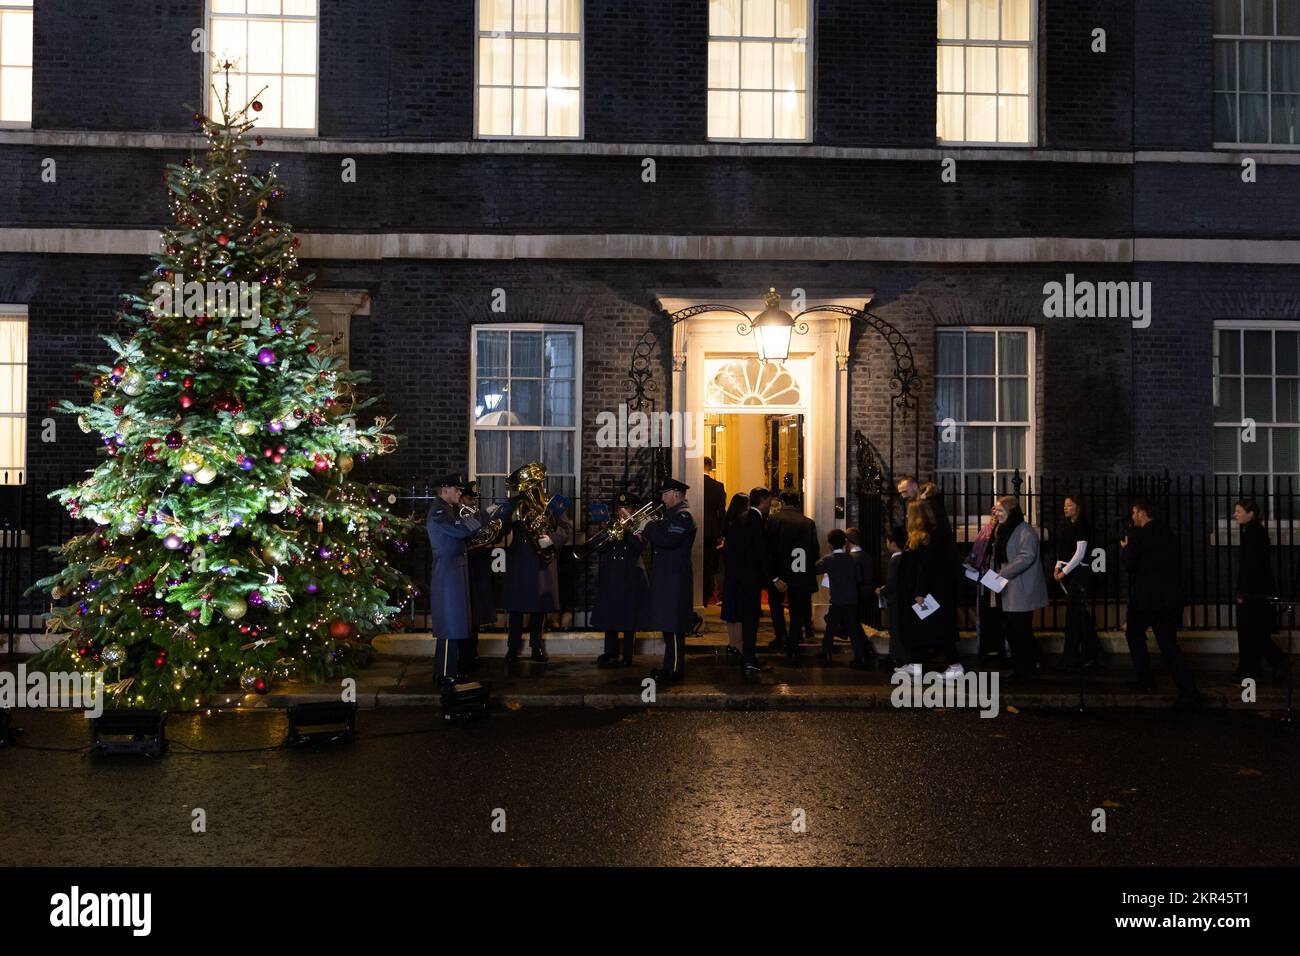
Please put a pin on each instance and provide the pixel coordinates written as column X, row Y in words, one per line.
column 230, row 547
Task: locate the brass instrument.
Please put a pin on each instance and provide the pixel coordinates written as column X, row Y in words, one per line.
column 485, row 535
column 528, row 483
column 620, row 528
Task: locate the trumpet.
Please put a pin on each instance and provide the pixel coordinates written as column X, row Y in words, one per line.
column 620, row 528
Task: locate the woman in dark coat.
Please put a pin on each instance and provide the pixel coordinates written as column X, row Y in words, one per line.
column 1074, row 574
column 1255, row 587
column 621, row 587
column 731, row 574
column 925, row 569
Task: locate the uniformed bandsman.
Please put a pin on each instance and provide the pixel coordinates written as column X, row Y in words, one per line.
column 449, row 602
column 671, row 601
column 621, row 588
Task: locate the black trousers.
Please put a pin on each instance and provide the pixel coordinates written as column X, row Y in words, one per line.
column 446, row 658
column 675, row 652
column 470, row 654
column 801, row 619
column 749, row 634
column 611, row 643
column 710, row 568
column 776, row 606
column 993, row 638
column 1020, row 635
column 1081, row 641
column 1254, row 638
column 843, row 619
column 1164, row 622
column 515, row 634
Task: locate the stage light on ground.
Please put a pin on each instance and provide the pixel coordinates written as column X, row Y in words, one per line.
column 323, row 722
column 142, row 732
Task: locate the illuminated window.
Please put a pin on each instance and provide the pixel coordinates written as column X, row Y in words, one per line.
column 527, row 404
column 271, row 46
column 1257, row 72
column 13, row 394
column 759, row 61
column 15, row 62
column 986, row 71
column 530, row 68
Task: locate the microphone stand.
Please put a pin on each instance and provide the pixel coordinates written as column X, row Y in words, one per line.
column 1288, row 607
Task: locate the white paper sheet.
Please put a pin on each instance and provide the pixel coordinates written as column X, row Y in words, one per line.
column 993, row 581
column 926, row 607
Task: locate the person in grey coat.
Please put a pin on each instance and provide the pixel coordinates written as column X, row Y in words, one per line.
column 1016, row 558
column 449, row 600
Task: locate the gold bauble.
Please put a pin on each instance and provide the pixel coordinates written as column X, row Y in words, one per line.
column 245, row 427
column 272, row 554
column 191, row 462
column 205, row 475
column 345, row 463
column 133, row 383
column 235, row 609
column 277, row 504
column 83, row 424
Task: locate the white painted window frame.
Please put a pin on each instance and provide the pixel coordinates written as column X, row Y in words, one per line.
column 1031, row 44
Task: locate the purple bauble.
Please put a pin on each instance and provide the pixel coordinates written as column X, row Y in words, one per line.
column 274, row 427
column 266, row 357
column 312, row 589
column 171, row 542
column 255, row 598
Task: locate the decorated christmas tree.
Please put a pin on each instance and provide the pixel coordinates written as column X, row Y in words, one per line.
column 230, row 547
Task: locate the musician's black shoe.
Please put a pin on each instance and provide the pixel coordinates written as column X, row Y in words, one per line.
column 665, row 677
column 756, row 666
column 441, row 681
column 733, row 651
column 606, row 659
column 625, row 662
column 512, row 655
column 540, row 655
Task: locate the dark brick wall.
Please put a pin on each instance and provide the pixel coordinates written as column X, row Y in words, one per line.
column 646, row 71
column 1086, row 97
column 356, row 37
column 1173, row 98
column 1206, row 200
column 875, row 73
column 120, row 65
column 430, row 69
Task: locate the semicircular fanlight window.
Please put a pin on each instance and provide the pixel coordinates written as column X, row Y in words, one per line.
column 750, row 382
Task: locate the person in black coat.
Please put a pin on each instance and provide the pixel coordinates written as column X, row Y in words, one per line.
column 751, row 573
column 1150, row 554
column 621, row 588
column 1255, row 589
column 671, row 603
column 532, row 582
column 924, row 569
column 731, row 561
column 1074, row 574
column 846, row 576
column 715, row 514
column 793, row 548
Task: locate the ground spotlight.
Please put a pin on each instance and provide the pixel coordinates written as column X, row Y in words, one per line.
column 321, row 722
column 141, row 732
column 466, row 701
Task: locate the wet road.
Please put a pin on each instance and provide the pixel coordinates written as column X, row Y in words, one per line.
column 619, row 787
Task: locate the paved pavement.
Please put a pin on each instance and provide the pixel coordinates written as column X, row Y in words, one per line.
column 668, row 787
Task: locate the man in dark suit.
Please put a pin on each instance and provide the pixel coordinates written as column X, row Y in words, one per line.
column 1150, row 554
column 753, row 575
column 793, row 547
column 715, row 515
column 671, row 603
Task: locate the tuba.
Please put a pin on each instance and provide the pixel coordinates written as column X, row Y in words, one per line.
column 485, row 535
column 528, row 483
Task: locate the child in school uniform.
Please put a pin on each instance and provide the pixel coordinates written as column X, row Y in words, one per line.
column 846, row 576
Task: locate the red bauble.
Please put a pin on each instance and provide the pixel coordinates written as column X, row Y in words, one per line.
column 188, row 382
column 117, row 410
column 186, row 400
column 340, row 630
column 311, row 346
column 260, row 686
column 257, row 106
column 174, row 439
column 257, row 140
column 222, row 239
column 227, row 402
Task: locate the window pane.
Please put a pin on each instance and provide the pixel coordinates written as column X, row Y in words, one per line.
column 759, row 18
column 724, row 115
column 947, row 453
column 1286, row 67
column 1259, row 399
column 755, row 115
column 524, row 447
column 16, row 94
column 1013, row 71
column 1254, row 454
column 530, row 16
column 981, row 69
column 755, row 66
column 952, row 69
column 557, row 452
column 13, row 388
column 494, row 15
column 1288, row 18
column 490, row 404
column 790, row 68
column 562, row 65
column 724, row 18
column 1229, row 350
column 951, row 120
column 562, row 112
column 1285, row 360
column 490, row 452
column 792, row 18
column 1253, row 62
column 526, row 354
column 980, row 402
column 981, row 119
column 1254, row 118
column 1229, row 407
column 559, row 410
column 300, row 48
column 791, row 116
column 952, row 19
column 565, row 16
column 299, row 102
column 1225, row 65
column 724, row 64
column 560, row 358
column 1011, row 449
column 1013, row 119
column 1013, row 358
column 978, row 446
column 1286, row 450
column 1225, row 117
column 948, row 357
column 1286, row 119
column 1227, row 16
column 265, row 46
column 530, row 63
column 1225, row 451
column 494, row 60
column 1017, row 19
column 1014, row 400
column 948, row 399
column 494, row 111
column 491, row 355
column 979, row 353
column 1259, row 352
column 1258, row 17
column 983, row 19
column 1287, row 400
column 16, row 38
